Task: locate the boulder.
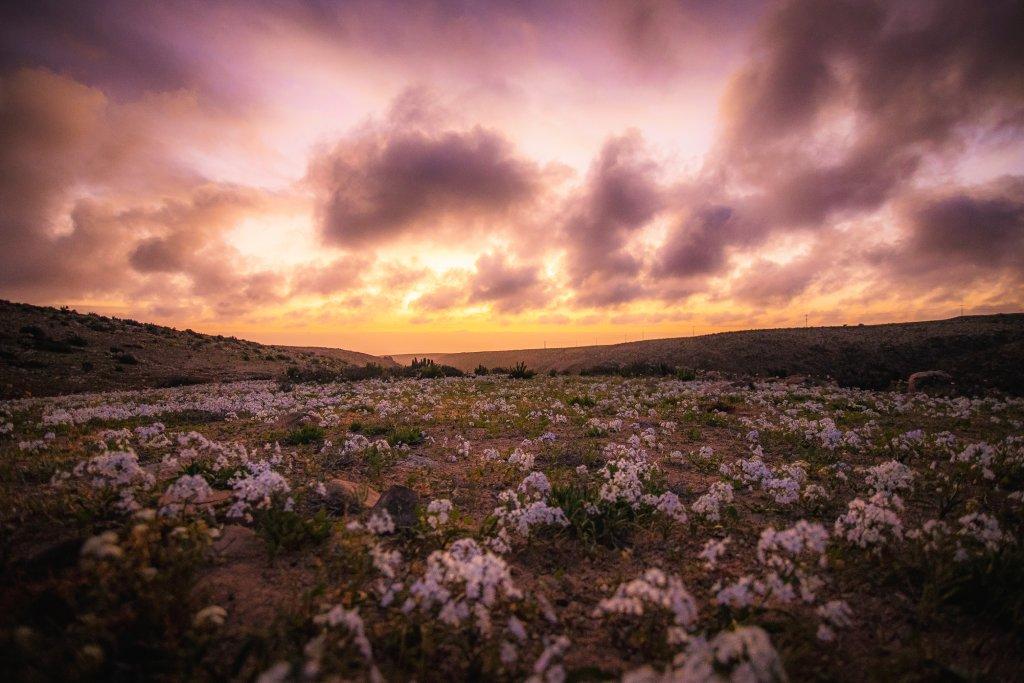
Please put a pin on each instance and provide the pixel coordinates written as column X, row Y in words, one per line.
column 401, row 503
column 343, row 495
column 931, row 382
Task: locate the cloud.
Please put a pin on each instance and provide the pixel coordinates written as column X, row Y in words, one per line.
column 136, row 154
column 343, row 273
column 842, row 104
column 442, row 298
column 94, row 202
column 507, row 287
column 395, row 179
column 953, row 238
column 844, row 109
column 696, row 246
column 51, row 134
column 621, row 194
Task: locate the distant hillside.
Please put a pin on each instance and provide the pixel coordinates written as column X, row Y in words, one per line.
column 979, row 351
column 46, row 351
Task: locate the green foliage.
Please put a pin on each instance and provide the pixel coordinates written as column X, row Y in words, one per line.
column 218, row 478
column 410, row 436
column 685, row 374
column 611, row 525
column 286, row 530
column 306, row 434
column 991, row 585
column 378, row 459
column 426, row 368
column 131, row 613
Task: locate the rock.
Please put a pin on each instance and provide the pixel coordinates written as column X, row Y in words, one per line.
column 294, row 420
column 51, row 557
column 931, row 382
column 238, row 542
column 343, row 495
column 162, row 470
column 417, row 462
column 215, row 498
column 401, row 503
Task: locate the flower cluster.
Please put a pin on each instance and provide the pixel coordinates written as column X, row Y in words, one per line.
column 654, row 589
column 438, row 512
column 257, row 489
column 872, row 523
column 461, row 582
column 522, row 509
column 889, row 477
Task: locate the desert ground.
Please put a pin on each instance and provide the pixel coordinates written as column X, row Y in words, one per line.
column 690, row 527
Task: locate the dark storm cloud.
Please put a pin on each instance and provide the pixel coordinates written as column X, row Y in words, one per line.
column 620, row 195
column 119, row 46
column 696, row 246
column 384, row 183
column 957, row 236
column 840, row 108
column 843, row 102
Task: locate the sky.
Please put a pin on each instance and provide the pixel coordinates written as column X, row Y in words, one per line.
column 402, row 177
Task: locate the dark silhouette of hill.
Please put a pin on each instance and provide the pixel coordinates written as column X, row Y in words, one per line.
column 46, row 351
column 978, row 351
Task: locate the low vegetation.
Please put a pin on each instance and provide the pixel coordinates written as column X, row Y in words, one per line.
column 483, row 527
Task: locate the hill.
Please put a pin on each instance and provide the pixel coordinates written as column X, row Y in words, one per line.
column 979, row 351
column 46, row 351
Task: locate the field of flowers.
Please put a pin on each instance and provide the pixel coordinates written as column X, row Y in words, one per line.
column 488, row 528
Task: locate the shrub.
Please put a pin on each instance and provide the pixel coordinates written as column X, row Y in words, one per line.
column 610, row 526
column 520, row 371
column 686, row 374
column 286, row 530
column 407, row 435
column 306, row 434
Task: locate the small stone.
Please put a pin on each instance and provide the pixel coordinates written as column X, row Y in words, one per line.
column 401, row 503
column 343, row 495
